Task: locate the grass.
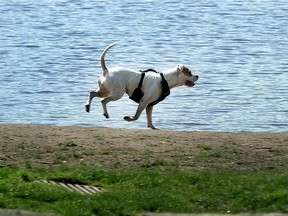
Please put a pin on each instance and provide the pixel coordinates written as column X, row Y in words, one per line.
column 144, row 190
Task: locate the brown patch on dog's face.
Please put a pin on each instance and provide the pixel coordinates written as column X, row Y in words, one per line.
column 186, row 71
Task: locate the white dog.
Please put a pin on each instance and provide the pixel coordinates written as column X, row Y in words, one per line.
column 153, row 87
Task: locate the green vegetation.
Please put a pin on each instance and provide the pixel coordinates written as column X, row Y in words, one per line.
column 129, row 192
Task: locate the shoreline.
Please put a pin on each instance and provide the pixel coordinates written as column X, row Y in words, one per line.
column 145, row 128
column 118, row 148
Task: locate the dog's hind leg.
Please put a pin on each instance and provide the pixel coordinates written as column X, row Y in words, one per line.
column 92, row 94
column 108, row 99
column 104, row 105
column 102, row 92
column 149, row 110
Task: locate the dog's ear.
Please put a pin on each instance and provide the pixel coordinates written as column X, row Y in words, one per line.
column 179, row 69
column 183, row 69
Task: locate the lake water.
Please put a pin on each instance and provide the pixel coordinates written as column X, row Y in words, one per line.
column 50, row 51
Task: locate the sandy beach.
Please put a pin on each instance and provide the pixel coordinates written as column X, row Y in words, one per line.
column 110, row 148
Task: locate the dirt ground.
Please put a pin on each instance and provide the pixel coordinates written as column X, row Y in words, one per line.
column 108, row 148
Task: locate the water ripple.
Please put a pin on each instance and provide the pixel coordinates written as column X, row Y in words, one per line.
column 50, row 50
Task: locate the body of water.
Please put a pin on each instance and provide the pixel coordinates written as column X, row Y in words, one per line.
column 50, row 51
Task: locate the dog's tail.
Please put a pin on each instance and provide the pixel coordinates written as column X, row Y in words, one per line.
column 104, row 68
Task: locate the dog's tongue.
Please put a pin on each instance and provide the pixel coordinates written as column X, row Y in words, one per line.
column 189, row 83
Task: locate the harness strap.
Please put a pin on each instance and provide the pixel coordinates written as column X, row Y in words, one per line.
column 145, row 71
column 165, row 91
column 141, row 80
column 138, row 94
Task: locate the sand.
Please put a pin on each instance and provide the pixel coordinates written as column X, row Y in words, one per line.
column 111, row 148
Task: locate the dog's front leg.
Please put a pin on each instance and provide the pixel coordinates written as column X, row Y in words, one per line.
column 149, row 110
column 141, row 107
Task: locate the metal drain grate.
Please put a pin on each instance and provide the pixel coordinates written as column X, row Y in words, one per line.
column 83, row 189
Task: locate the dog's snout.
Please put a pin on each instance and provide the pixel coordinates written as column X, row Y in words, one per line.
column 197, row 77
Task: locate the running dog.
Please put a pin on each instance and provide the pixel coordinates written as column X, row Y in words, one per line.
column 117, row 80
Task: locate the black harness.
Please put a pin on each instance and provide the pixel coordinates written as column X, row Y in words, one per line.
column 138, row 93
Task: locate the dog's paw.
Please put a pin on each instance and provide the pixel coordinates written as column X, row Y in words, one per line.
column 106, row 115
column 87, row 108
column 153, row 128
column 128, row 118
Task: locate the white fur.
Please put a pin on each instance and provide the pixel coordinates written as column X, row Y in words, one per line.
column 116, row 81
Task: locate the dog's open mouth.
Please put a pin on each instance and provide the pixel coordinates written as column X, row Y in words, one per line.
column 189, row 83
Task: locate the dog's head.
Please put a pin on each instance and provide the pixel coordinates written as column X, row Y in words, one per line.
column 186, row 75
